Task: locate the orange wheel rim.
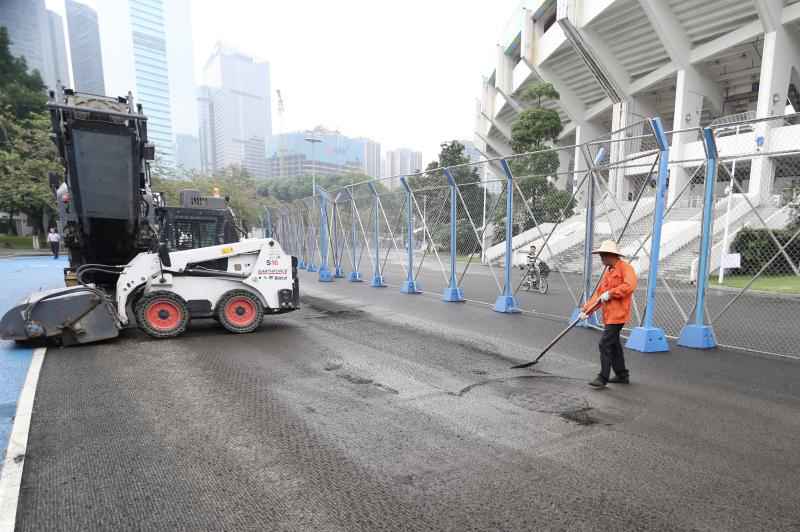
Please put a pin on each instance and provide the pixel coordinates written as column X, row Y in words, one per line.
column 240, row 311
column 163, row 315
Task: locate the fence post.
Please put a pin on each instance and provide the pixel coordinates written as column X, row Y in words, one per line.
column 647, row 338
column 410, row 285
column 699, row 335
column 506, row 302
column 588, row 242
column 377, row 278
column 355, row 275
column 300, row 235
column 310, row 266
column 337, row 255
column 453, row 293
column 325, row 275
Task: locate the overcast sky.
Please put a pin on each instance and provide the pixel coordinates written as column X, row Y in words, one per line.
column 405, row 73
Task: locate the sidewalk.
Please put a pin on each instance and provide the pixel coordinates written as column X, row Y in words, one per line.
column 20, row 276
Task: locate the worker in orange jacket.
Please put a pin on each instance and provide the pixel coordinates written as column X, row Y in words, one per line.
column 615, row 294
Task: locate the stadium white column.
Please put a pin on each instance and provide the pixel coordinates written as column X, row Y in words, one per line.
column 779, row 56
column 584, row 132
column 688, row 110
column 627, row 119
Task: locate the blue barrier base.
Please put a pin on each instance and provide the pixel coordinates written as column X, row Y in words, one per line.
column 377, row 282
column 647, row 340
column 453, row 294
column 310, row 267
column 410, row 287
column 507, row 305
column 355, row 277
column 338, row 273
column 698, row 337
column 325, row 275
column 301, row 265
column 590, row 323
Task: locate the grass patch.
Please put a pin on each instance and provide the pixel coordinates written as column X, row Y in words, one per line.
column 781, row 284
column 15, row 242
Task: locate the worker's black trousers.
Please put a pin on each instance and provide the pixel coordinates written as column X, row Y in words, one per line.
column 611, row 354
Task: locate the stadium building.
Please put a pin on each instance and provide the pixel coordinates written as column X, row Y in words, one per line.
column 691, row 62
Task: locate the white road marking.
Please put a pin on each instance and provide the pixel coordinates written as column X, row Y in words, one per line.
column 11, row 476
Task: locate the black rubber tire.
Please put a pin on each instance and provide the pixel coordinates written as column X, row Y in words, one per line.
column 238, row 328
column 170, row 298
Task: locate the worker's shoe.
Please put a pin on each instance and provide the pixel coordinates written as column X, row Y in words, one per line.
column 598, row 383
column 617, row 379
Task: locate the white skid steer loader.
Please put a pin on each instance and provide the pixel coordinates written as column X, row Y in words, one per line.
column 236, row 283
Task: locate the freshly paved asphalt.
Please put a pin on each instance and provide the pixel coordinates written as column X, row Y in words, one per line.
column 371, row 410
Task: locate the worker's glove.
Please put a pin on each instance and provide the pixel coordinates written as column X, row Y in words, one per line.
column 605, row 296
column 582, row 316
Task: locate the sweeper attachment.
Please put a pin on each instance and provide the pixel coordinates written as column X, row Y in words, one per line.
column 235, row 283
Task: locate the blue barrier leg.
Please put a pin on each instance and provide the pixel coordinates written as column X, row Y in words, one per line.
column 337, row 254
column 301, row 244
column 588, row 244
column 377, row 278
column 310, row 266
column 506, row 302
column 355, row 275
column 410, row 285
column 325, row 275
column 647, row 338
column 453, row 293
column 698, row 335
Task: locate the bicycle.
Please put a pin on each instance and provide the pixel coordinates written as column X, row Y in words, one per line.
column 536, row 278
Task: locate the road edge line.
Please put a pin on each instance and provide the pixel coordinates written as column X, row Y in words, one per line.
column 11, row 477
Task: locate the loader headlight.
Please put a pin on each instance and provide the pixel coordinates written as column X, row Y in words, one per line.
column 285, row 298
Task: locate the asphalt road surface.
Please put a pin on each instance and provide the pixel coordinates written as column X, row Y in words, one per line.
column 345, row 417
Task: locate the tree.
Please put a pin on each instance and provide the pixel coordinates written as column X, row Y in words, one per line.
column 27, row 154
column 533, row 133
column 22, row 92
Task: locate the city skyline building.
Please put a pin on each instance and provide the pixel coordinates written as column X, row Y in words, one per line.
column 58, row 50
column 37, row 34
column 234, row 112
column 180, row 58
column 335, row 151
column 85, row 50
column 402, row 162
column 146, row 48
column 187, row 151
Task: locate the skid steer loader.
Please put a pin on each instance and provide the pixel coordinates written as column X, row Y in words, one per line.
column 160, row 292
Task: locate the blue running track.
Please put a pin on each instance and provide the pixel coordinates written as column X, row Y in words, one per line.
column 19, row 276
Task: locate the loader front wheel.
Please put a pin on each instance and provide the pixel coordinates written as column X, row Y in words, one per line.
column 162, row 314
column 240, row 311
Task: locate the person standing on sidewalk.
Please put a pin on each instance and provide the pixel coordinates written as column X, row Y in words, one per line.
column 54, row 239
column 615, row 293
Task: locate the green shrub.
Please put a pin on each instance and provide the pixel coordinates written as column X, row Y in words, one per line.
column 757, row 247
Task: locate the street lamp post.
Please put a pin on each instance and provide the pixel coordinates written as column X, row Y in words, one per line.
column 313, row 141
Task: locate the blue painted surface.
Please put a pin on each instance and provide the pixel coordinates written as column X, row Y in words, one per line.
column 19, row 277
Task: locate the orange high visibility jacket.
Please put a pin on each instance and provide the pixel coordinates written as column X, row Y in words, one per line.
column 620, row 281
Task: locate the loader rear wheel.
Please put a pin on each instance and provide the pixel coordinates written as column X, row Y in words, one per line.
column 240, row 311
column 162, row 314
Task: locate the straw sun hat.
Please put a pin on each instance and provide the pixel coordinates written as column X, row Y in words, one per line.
column 608, row 246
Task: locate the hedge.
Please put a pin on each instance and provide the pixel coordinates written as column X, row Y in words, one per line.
column 757, row 247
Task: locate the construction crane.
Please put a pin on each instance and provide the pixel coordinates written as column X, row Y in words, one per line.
column 281, row 139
